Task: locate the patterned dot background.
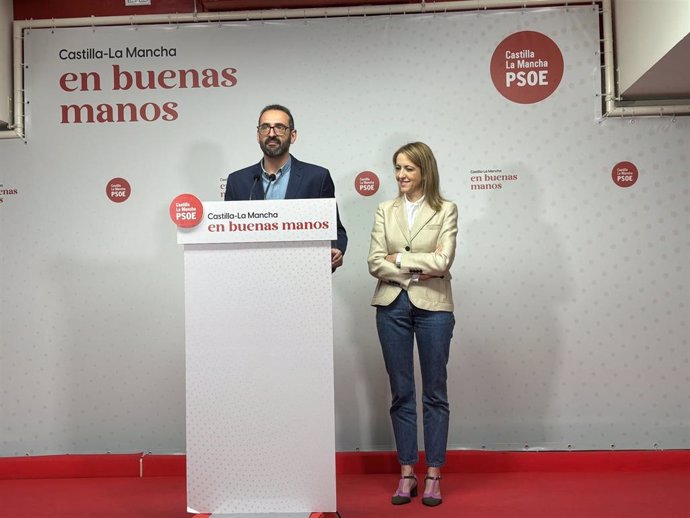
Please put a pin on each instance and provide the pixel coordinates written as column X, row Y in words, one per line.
column 572, row 292
column 259, row 366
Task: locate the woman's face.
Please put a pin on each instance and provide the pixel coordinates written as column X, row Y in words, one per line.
column 409, row 177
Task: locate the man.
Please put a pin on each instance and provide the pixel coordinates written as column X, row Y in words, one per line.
column 279, row 175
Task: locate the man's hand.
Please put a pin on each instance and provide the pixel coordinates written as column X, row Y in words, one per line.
column 336, row 258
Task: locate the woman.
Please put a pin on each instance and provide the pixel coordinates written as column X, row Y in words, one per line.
column 411, row 252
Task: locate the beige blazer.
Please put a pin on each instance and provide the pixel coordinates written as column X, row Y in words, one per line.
column 429, row 248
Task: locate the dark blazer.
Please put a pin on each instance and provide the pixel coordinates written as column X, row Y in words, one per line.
column 306, row 181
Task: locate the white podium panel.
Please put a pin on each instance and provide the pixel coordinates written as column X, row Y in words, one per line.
column 260, row 417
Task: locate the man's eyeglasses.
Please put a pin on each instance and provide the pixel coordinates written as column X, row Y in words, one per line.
column 278, row 129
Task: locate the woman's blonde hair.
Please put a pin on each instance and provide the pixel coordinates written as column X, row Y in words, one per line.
column 421, row 155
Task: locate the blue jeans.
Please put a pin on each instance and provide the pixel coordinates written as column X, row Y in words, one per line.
column 398, row 324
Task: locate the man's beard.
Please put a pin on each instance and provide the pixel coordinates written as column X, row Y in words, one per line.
column 274, row 151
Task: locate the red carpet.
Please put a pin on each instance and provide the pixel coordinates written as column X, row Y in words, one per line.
column 527, row 495
column 648, row 484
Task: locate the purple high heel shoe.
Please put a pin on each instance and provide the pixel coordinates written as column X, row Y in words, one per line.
column 432, row 498
column 401, row 497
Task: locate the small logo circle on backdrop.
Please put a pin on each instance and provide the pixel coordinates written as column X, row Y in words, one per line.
column 186, row 210
column 624, row 174
column 527, row 67
column 118, row 190
column 367, row 183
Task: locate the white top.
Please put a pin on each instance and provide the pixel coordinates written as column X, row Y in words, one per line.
column 412, row 209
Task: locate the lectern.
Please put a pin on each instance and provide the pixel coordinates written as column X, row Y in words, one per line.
column 259, row 358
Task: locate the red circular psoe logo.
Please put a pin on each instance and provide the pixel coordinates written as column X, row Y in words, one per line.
column 624, row 174
column 527, row 67
column 367, row 183
column 118, row 190
column 186, row 211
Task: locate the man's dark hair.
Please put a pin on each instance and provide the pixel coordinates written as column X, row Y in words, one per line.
column 281, row 108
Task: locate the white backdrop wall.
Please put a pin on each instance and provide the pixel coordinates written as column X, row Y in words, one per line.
column 572, row 291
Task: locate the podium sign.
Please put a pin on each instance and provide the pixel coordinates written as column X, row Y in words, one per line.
column 263, row 221
column 259, row 358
